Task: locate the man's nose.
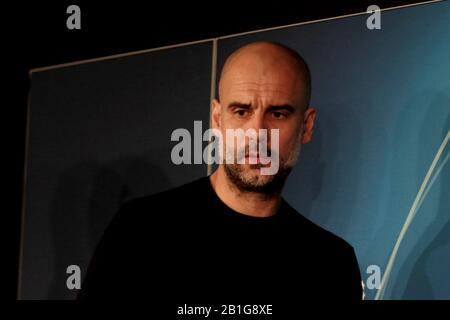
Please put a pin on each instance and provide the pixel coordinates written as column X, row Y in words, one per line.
column 257, row 123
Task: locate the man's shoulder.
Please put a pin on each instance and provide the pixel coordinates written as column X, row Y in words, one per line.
column 317, row 234
column 179, row 196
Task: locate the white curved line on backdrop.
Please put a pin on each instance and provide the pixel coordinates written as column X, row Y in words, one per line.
column 423, row 191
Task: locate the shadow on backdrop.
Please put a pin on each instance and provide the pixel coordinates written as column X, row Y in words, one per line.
column 89, row 194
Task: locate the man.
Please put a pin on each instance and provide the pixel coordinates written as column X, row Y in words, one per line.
column 231, row 236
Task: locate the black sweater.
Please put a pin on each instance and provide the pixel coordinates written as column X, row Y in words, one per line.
column 186, row 246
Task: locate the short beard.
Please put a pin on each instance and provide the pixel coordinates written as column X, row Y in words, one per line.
column 264, row 184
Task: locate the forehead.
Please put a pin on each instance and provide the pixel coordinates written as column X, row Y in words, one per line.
column 276, row 85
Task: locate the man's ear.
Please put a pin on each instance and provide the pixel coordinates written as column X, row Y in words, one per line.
column 308, row 125
column 215, row 114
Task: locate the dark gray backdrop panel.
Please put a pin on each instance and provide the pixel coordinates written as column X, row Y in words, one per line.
column 99, row 135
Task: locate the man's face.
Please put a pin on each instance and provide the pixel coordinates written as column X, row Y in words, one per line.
column 262, row 94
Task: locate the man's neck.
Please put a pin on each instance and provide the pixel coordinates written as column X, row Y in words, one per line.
column 249, row 203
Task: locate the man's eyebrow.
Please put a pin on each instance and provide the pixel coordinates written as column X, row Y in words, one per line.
column 286, row 107
column 236, row 104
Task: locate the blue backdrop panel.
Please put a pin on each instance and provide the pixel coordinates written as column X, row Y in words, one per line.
column 383, row 101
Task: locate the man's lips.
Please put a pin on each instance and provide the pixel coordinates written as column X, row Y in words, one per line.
column 255, row 159
column 252, row 160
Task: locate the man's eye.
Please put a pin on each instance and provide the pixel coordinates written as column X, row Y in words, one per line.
column 278, row 115
column 241, row 112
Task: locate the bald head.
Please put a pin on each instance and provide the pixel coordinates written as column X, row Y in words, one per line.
column 261, row 62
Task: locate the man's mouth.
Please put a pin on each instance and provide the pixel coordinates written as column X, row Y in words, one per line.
column 256, row 159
